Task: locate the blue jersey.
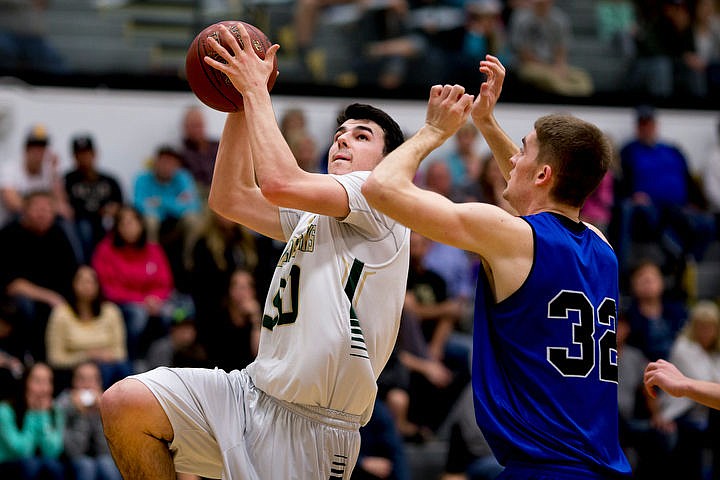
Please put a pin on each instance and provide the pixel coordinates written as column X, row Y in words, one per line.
column 545, row 361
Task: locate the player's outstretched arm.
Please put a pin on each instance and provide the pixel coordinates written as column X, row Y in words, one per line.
column 664, row 375
column 278, row 175
column 503, row 148
column 390, row 187
column 481, row 228
column 233, row 191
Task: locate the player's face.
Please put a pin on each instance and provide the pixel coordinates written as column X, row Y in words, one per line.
column 522, row 174
column 357, row 146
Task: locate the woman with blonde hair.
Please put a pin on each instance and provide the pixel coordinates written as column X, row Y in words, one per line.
column 696, row 353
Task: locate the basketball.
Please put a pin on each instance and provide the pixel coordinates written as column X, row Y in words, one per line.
column 212, row 86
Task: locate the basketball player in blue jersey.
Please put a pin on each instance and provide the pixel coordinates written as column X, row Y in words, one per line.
column 329, row 323
column 544, row 357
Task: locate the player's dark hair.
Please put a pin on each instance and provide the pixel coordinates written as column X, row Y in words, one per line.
column 578, row 152
column 358, row 111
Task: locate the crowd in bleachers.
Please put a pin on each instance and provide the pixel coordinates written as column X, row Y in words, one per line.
column 98, row 283
column 658, row 49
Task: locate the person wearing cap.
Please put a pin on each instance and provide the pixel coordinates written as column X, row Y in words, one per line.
column 661, row 203
column 94, row 196
column 37, row 170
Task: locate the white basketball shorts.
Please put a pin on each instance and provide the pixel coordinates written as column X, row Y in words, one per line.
column 224, row 427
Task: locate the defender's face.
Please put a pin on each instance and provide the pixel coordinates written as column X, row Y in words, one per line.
column 522, row 175
column 357, row 146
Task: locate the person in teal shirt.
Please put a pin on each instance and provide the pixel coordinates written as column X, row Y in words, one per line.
column 166, row 192
column 31, row 429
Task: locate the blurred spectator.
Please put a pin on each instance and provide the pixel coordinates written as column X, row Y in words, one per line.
column 180, row 347
column 420, row 50
column 667, row 62
column 706, row 32
column 293, row 120
column 617, row 25
column 406, row 366
column 12, row 350
column 235, row 329
column 482, row 33
column 660, row 200
column 166, row 193
column 93, row 195
column 38, row 170
column 24, row 46
column 440, row 369
column 221, row 247
column 654, row 319
column 490, row 185
column 88, row 328
column 31, row 430
column 367, row 20
column 170, row 204
column 38, row 265
column 469, row 456
column 304, row 149
column 134, row 273
column 540, row 37
column 439, row 179
column 598, row 207
column 696, row 353
column 455, row 266
column 645, row 436
column 306, row 17
column 710, row 178
column 198, row 149
column 465, row 161
column 382, row 453
column 84, row 439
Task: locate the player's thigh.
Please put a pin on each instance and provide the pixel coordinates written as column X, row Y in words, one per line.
column 205, row 409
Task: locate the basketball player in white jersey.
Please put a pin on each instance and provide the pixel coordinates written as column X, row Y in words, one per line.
column 330, row 319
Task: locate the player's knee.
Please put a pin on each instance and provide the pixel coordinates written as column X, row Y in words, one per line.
column 129, row 403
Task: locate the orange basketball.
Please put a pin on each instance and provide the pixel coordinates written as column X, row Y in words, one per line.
column 211, row 86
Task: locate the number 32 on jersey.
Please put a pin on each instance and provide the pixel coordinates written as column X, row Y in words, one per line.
column 583, row 336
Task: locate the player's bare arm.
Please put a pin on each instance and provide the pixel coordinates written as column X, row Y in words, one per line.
column 666, row 376
column 280, row 178
column 233, row 191
column 483, row 117
column 504, row 241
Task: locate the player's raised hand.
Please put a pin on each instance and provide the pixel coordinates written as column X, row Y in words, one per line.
column 448, row 109
column 490, row 89
column 245, row 69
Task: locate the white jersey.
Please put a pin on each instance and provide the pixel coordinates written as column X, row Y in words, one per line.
column 333, row 308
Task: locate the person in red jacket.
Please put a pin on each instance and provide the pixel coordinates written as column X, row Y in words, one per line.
column 135, row 274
